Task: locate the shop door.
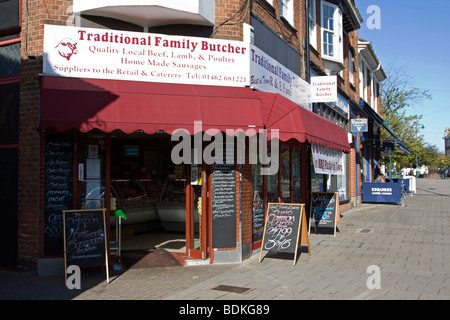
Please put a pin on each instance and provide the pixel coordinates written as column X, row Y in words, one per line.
column 196, row 212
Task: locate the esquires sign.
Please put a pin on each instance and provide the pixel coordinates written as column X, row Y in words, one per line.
column 325, row 212
column 285, row 229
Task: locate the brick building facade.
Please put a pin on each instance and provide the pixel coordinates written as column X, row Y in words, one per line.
column 289, row 31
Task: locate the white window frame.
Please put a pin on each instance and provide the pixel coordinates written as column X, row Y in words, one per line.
column 312, row 24
column 337, row 35
column 374, row 94
column 287, row 10
column 351, row 67
column 361, row 78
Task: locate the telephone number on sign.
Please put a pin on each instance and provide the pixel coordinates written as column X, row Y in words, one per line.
column 224, row 78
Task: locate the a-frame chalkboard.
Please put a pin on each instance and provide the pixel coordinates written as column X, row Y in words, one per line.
column 325, row 213
column 85, row 243
column 285, row 229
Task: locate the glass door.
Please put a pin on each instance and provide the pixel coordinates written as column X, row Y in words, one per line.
column 196, row 210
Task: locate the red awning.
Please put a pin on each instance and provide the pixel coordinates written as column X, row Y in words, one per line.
column 108, row 105
column 294, row 122
column 87, row 104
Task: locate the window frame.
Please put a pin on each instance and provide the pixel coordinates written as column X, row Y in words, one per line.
column 287, row 10
column 336, row 32
column 312, row 23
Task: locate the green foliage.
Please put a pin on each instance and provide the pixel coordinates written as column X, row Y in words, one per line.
column 396, row 98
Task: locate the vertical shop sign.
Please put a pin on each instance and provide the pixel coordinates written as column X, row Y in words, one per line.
column 58, row 189
column 324, row 89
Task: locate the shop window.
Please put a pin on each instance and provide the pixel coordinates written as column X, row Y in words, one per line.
column 258, row 204
column 93, row 182
column 9, row 111
column 317, row 180
column 285, row 174
column 272, row 186
column 296, row 176
column 10, row 59
column 342, row 185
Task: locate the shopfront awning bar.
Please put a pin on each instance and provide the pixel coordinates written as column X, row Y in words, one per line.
column 380, row 121
column 295, row 122
column 108, row 105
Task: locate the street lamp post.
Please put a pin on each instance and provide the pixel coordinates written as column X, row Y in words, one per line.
column 417, row 151
column 390, row 157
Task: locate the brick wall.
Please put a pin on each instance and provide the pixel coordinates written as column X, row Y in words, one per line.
column 35, row 14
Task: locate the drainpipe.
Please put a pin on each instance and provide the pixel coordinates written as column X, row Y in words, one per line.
column 308, row 74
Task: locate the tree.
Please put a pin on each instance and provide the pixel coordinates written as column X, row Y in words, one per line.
column 396, row 97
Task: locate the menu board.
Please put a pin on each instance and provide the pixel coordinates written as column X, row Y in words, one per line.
column 285, row 229
column 223, row 203
column 325, row 211
column 58, row 189
column 257, row 220
column 282, row 226
column 84, row 237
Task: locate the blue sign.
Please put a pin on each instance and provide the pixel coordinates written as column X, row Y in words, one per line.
column 389, row 192
column 358, row 125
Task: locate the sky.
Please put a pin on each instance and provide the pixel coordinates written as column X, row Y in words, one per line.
column 415, row 35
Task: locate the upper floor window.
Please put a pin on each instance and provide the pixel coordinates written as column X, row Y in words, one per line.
column 312, row 23
column 287, row 10
column 331, row 31
column 350, row 67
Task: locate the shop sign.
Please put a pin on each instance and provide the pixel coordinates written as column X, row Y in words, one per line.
column 341, row 105
column 324, row 89
column 358, row 125
column 327, row 161
column 388, row 149
column 268, row 75
column 136, row 56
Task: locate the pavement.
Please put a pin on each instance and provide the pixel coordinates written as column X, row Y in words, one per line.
column 384, row 252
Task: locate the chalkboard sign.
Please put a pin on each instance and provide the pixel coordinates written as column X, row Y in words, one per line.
column 58, row 189
column 325, row 213
column 223, row 206
column 257, row 220
column 85, row 238
column 285, row 228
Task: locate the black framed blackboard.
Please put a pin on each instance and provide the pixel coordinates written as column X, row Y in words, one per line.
column 258, row 210
column 223, row 206
column 285, row 229
column 84, row 237
column 58, row 189
column 282, row 226
column 325, row 213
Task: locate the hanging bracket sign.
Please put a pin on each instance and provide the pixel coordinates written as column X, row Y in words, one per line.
column 358, row 125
